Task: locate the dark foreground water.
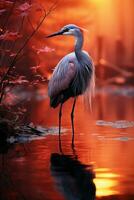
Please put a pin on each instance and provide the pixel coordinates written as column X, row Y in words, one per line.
column 102, row 159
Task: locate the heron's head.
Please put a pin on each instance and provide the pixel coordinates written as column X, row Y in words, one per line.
column 70, row 29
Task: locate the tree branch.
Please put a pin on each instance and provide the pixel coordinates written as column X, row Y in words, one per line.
column 26, row 42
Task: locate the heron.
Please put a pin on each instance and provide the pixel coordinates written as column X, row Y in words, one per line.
column 72, row 76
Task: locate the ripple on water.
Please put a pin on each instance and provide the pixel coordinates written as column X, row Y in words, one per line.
column 116, row 124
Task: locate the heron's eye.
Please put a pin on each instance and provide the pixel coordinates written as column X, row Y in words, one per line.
column 66, row 30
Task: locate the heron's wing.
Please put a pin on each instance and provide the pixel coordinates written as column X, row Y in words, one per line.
column 62, row 76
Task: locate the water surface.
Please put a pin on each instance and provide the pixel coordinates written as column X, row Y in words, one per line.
column 104, row 142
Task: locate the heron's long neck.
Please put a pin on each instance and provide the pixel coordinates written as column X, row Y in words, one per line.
column 78, row 45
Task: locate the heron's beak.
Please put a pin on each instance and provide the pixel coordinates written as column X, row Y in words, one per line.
column 55, row 34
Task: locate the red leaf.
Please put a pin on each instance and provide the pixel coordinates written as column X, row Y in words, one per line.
column 120, row 80
column 1, row 30
column 35, row 68
column 24, row 9
column 4, row 3
column 45, row 49
column 12, row 36
column 10, row 99
column 13, row 54
column 20, row 80
column 2, row 11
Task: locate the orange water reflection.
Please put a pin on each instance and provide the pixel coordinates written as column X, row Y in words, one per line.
column 107, row 183
column 108, row 149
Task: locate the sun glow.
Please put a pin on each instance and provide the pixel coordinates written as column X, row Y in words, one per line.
column 106, row 183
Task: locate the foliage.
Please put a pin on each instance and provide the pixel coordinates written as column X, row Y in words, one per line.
column 16, row 31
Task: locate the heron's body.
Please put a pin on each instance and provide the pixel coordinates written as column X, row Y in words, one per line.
column 73, row 75
column 70, row 78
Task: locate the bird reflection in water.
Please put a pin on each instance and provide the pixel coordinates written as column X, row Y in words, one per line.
column 73, row 179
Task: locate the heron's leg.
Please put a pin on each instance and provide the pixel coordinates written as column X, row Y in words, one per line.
column 60, row 115
column 72, row 121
